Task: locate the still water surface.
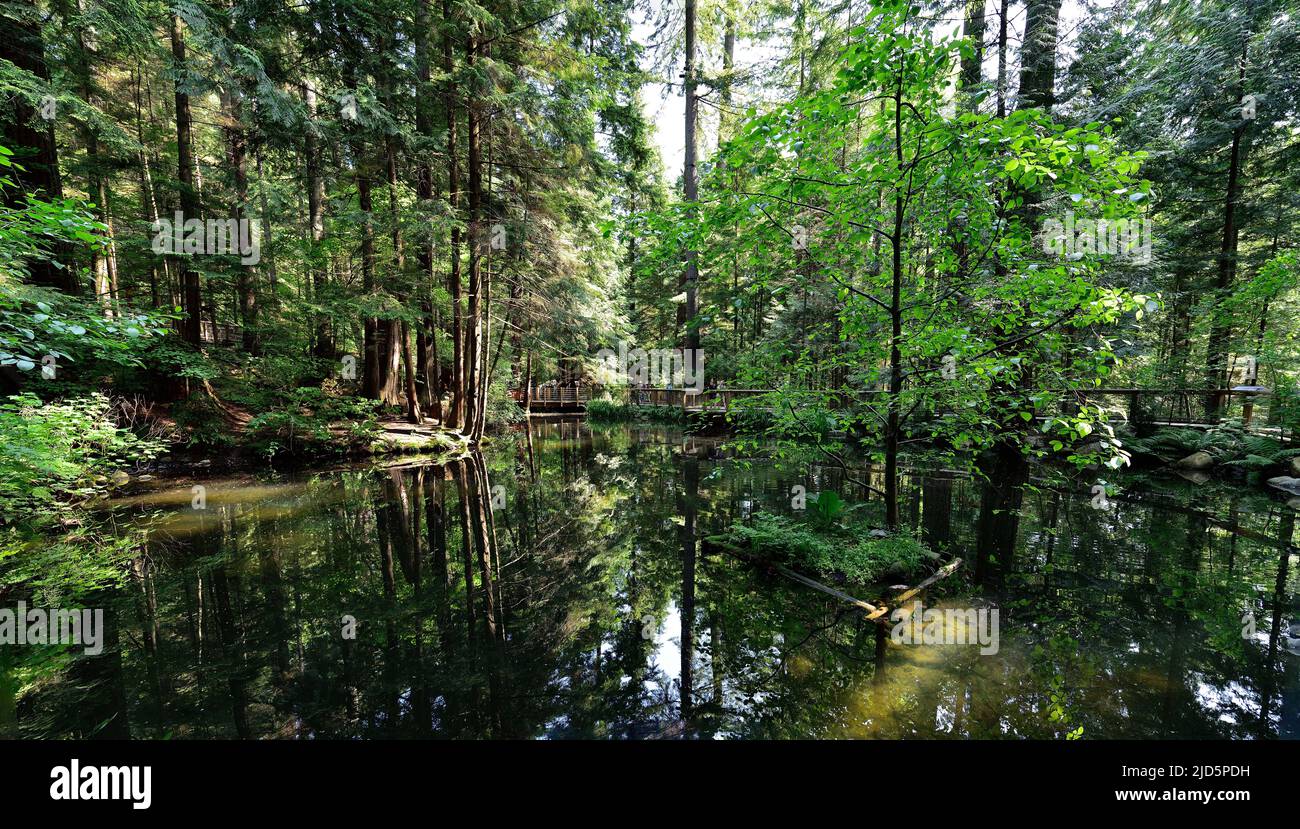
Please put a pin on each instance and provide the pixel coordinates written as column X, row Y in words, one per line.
column 560, row 587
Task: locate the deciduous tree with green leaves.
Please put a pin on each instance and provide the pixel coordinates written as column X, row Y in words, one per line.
column 957, row 322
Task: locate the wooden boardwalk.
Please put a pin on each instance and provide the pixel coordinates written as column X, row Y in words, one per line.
column 574, row 398
column 1182, row 408
column 557, row 399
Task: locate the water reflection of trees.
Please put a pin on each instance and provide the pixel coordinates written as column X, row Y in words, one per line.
column 525, row 617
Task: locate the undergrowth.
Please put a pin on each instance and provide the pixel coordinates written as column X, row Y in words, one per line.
column 841, row 552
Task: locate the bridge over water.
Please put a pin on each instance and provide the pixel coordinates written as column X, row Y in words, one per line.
column 1190, row 408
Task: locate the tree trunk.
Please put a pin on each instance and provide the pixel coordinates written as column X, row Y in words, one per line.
column 690, row 494
column 191, row 297
column 893, row 425
column 103, row 264
column 1003, row 10
column 33, row 147
column 973, row 29
column 148, row 198
column 323, row 342
column 372, row 382
column 247, row 278
column 427, row 374
column 408, row 369
column 1217, row 367
column 474, row 323
column 1038, row 55
column 273, row 301
column 455, row 417
column 690, row 277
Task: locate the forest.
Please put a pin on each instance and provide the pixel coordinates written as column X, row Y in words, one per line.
column 769, row 318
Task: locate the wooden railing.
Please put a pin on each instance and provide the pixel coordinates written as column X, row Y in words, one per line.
column 710, row 399
column 557, row 394
column 1191, row 407
column 657, row 397
column 721, row 399
column 219, row 333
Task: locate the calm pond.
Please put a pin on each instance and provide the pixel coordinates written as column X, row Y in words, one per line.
column 595, row 610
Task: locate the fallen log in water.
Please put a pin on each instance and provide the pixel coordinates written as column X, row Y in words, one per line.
column 873, row 612
column 940, row 574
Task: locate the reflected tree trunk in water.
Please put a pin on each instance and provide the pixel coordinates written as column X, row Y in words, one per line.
column 229, row 630
column 232, row 648
column 1163, row 525
column 384, row 530
column 147, row 609
column 690, row 494
column 436, row 523
column 476, row 543
column 478, row 506
column 467, row 563
column 929, row 696
column 403, row 531
column 477, row 522
column 1175, row 687
column 716, row 662
column 194, row 616
column 877, row 693
column 532, row 455
column 936, row 528
column 101, row 711
column 402, row 527
column 524, row 511
column 462, row 492
column 277, row 603
column 492, row 551
column 1051, row 524
column 271, row 573
column 443, row 585
column 999, row 518
column 1286, row 531
column 420, row 699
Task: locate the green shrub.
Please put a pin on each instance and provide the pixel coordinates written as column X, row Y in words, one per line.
column 609, row 411
column 659, row 414
column 309, row 419
column 826, row 509
column 1227, row 442
column 65, row 567
column 502, row 410
column 52, row 454
column 37, row 324
column 1285, row 409
column 200, row 422
column 853, row 553
column 755, row 420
